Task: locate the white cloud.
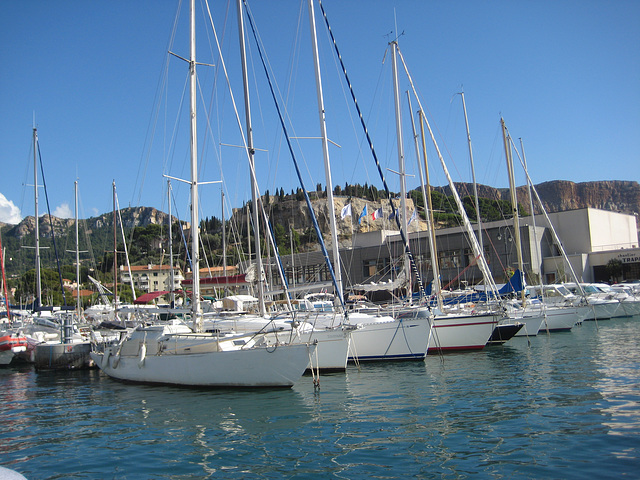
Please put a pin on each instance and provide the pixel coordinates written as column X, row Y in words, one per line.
column 9, row 213
column 63, row 211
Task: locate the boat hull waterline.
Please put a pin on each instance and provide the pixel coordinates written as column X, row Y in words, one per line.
column 275, row 366
column 462, row 332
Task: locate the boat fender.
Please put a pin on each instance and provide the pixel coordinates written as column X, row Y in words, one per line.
column 143, row 354
column 115, row 361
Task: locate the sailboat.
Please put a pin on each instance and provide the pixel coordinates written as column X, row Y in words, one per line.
column 71, row 350
column 374, row 337
column 552, row 318
column 453, row 329
column 176, row 354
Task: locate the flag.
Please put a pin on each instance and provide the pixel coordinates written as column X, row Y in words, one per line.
column 392, row 215
column 377, row 214
column 346, row 210
column 413, row 217
column 363, row 214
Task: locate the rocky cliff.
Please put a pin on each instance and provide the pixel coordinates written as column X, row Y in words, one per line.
column 556, row 196
column 561, row 195
column 140, row 217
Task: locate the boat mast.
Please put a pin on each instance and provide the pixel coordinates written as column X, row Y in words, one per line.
column 403, row 185
column 115, row 256
column 224, row 235
column 514, row 204
column 4, row 281
column 533, row 216
column 77, row 252
column 473, row 173
column 172, row 279
column 251, row 151
column 554, row 234
column 35, row 189
column 325, row 154
column 482, row 262
column 195, row 253
column 437, row 287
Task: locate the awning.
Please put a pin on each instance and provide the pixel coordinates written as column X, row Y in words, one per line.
column 147, row 297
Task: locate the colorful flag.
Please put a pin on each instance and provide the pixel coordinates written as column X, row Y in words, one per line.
column 413, row 217
column 377, row 214
column 363, row 214
column 346, row 210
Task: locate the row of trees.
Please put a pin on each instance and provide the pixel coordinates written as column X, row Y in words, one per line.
column 149, row 244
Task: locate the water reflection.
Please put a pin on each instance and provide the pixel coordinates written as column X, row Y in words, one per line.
column 618, row 360
column 524, row 410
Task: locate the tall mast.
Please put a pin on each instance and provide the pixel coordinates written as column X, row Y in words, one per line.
column 482, row 263
column 35, row 190
column 4, row 281
column 325, row 154
column 403, row 185
column 115, row 255
column 432, row 226
column 195, row 252
column 172, row 280
column 514, row 201
column 254, row 187
column 77, row 252
column 224, row 235
column 533, row 218
column 473, row 173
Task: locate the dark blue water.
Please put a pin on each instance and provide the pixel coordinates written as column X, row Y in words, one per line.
column 565, row 406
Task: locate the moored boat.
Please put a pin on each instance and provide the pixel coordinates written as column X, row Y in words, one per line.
column 11, row 343
column 175, row 355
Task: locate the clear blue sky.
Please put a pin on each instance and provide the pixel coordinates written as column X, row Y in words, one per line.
column 564, row 74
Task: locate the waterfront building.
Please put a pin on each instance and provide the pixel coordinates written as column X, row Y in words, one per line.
column 590, row 237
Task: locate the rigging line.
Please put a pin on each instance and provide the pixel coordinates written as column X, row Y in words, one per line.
column 287, row 98
column 151, row 128
column 244, row 140
column 295, row 163
column 53, row 232
column 484, row 267
column 184, row 240
column 405, row 240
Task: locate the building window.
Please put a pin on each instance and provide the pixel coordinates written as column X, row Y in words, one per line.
column 369, row 268
column 450, row 259
column 378, row 266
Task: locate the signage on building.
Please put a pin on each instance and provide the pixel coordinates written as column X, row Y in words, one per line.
column 631, row 257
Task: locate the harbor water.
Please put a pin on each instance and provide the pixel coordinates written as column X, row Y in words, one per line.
column 564, row 405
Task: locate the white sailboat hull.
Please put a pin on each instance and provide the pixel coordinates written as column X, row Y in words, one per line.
column 455, row 332
column 331, row 351
column 600, row 310
column 279, row 366
column 531, row 326
column 630, row 307
column 389, row 339
column 159, row 355
column 559, row 319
